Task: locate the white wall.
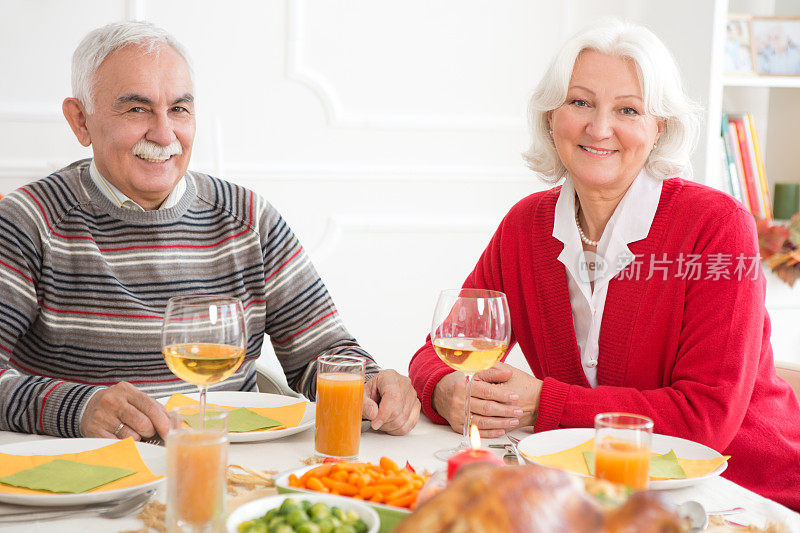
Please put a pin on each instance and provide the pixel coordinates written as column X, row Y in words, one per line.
column 388, row 133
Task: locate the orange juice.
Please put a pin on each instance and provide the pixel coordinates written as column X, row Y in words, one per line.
column 338, row 423
column 622, row 462
column 196, row 464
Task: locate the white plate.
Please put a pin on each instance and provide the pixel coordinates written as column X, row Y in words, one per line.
column 257, row 399
column 548, row 442
column 155, row 457
column 258, row 508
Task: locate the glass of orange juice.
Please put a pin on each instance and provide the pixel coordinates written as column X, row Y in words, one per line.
column 622, row 448
column 340, row 393
column 197, row 459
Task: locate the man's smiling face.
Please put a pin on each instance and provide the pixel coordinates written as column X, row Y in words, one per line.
column 143, row 125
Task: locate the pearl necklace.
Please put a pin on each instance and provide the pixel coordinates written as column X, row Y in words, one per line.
column 586, row 240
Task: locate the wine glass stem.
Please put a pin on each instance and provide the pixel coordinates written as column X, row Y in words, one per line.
column 203, row 389
column 467, row 410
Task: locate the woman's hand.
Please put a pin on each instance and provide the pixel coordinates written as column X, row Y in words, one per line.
column 500, row 397
column 526, row 386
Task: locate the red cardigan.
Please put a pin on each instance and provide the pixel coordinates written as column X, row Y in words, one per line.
column 692, row 354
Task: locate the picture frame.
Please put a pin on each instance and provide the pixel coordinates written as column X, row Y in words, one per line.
column 738, row 54
column 775, row 43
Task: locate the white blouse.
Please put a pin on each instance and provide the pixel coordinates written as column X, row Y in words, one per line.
column 630, row 223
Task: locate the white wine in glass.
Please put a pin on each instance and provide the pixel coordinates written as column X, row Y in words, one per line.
column 203, row 339
column 470, row 332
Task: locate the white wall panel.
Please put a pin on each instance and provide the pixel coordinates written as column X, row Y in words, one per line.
column 388, row 133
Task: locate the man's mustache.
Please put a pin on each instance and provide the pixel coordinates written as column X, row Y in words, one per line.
column 151, row 150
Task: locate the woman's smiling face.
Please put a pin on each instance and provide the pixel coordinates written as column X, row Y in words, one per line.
column 601, row 132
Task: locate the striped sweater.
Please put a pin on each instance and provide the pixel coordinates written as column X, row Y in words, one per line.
column 84, row 285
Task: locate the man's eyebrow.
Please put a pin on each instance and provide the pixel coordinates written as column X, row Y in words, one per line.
column 132, row 98
column 139, row 99
column 186, row 98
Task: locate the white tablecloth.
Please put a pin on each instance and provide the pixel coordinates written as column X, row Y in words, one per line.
column 417, row 447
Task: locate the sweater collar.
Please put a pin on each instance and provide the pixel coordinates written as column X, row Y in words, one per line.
column 118, row 198
column 101, row 201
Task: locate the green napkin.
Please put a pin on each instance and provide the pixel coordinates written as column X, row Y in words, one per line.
column 663, row 466
column 589, row 458
column 241, row 419
column 60, row 475
column 666, row 466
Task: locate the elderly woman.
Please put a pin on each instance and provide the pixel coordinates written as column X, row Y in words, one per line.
column 630, row 289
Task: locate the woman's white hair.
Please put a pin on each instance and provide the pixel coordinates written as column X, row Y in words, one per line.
column 662, row 92
column 99, row 43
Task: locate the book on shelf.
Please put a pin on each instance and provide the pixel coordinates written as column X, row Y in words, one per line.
column 759, row 161
column 745, row 170
column 737, row 157
column 730, row 170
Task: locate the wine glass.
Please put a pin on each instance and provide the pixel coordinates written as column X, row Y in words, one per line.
column 203, row 339
column 470, row 332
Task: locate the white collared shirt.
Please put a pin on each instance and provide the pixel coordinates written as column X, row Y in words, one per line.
column 120, row 200
column 629, row 223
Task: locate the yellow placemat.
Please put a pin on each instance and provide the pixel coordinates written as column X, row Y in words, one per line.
column 121, row 454
column 572, row 460
column 288, row 415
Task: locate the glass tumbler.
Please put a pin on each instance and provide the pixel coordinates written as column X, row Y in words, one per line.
column 197, row 461
column 340, row 393
column 622, row 448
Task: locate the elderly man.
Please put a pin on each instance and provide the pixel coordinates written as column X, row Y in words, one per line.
column 90, row 255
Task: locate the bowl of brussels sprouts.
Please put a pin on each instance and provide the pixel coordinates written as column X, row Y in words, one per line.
column 307, row 513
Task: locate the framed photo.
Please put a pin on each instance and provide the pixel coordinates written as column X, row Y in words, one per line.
column 776, row 45
column 738, row 48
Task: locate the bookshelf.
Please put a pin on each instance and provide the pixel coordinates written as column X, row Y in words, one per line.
column 774, row 103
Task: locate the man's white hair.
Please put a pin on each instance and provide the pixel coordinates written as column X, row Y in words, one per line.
column 662, row 93
column 99, row 43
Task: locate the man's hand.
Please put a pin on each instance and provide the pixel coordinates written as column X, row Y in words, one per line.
column 123, row 404
column 502, row 398
column 390, row 401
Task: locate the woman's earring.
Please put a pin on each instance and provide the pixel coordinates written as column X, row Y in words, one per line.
column 655, row 146
column 551, row 133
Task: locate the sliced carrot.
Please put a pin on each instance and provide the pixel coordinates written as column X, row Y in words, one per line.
column 379, row 483
column 352, row 466
column 367, row 492
column 403, row 501
column 339, row 487
column 388, row 464
column 387, row 488
column 402, row 491
column 320, row 471
column 315, row 484
column 341, row 475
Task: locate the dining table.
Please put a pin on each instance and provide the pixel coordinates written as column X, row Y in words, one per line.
column 417, row 447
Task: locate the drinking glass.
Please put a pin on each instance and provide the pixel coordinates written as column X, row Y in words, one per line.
column 340, row 395
column 203, row 339
column 197, row 460
column 470, row 332
column 622, row 448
